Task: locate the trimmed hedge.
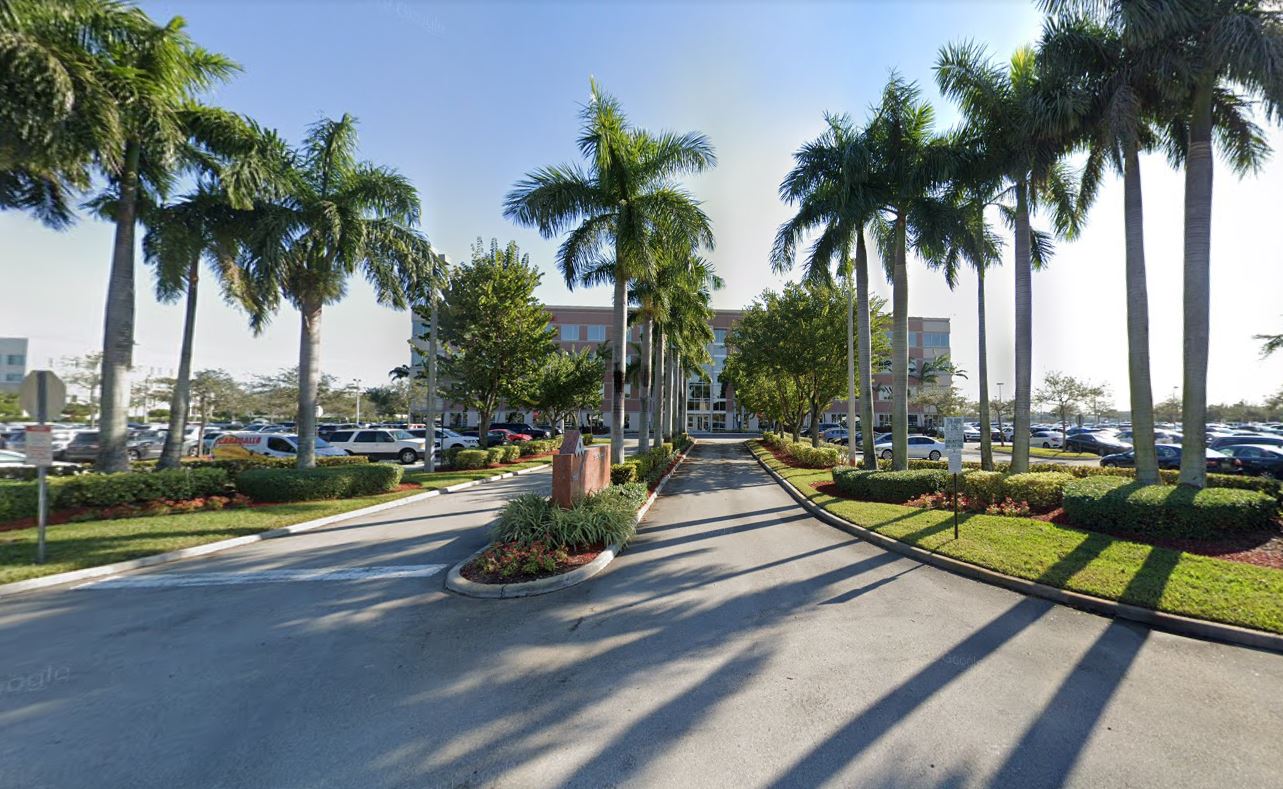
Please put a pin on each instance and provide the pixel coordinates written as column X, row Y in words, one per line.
column 984, row 487
column 511, row 453
column 19, row 499
column 802, row 453
column 1173, row 510
column 623, row 473
column 234, row 466
column 891, row 487
column 494, row 455
column 1041, row 490
column 307, row 484
column 470, row 458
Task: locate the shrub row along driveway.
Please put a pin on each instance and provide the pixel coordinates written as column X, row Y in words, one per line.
column 736, row 643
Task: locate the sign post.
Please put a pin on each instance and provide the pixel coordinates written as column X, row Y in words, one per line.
column 43, row 395
column 953, row 445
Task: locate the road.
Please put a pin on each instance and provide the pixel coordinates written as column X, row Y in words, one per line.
column 737, row 642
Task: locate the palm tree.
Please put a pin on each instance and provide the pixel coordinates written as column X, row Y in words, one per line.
column 57, row 108
column 913, row 165
column 156, row 77
column 208, row 224
column 1020, row 127
column 831, row 182
column 612, row 211
column 335, row 217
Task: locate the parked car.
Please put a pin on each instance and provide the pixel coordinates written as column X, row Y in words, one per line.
column 445, row 437
column 245, row 443
column 521, row 428
column 1099, row 443
column 1229, row 441
column 833, row 433
column 493, row 439
column 11, row 459
column 919, row 447
column 1262, row 460
column 1169, row 457
column 380, row 444
column 1047, row 439
column 139, row 445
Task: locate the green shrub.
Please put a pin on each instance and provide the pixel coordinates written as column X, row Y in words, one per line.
column 1042, row 491
column 511, row 453
column 623, row 473
column 470, row 458
column 982, row 486
column 452, row 454
column 606, row 517
column 893, row 487
column 531, row 448
column 234, row 466
column 307, row 484
column 28, row 473
column 494, row 455
column 19, row 499
column 1113, row 502
column 808, row 456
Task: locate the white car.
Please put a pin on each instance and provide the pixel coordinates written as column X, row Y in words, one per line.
column 1047, row 439
column 447, row 437
column 244, row 443
column 380, row 444
column 919, row 447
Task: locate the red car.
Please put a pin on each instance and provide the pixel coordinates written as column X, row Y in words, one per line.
column 510, row 436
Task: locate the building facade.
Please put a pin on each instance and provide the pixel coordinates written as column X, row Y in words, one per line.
column 13, row 363
column 710, row 405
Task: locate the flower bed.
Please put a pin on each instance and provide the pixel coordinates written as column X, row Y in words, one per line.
column 509, row 563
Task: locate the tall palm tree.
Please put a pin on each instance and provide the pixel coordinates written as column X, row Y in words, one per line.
column 57, row 108
column 612, row 210
column 1023, row 128
column 832, row 183
column 335, row 217
column 913, row 165
column 207, row 224
column 156, row 77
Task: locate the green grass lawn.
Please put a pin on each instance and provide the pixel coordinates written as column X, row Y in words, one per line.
column 444, row 479
column 1094, row 564
column 73, row 546
column 1043, row 452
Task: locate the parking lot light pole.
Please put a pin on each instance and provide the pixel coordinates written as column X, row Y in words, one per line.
column 430, row 433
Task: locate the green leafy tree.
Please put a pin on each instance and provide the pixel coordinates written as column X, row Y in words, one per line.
column 84, row 373
column 216, row 393
column 567, row 383
column 494, row 333
column 613, row 210
column 9, row 407
column 1064, row 395
column 338, row 216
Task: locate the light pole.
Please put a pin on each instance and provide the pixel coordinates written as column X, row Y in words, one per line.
column 1002, row 437
column 430, row 433
column 357, row 384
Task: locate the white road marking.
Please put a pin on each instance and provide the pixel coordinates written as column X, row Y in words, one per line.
column 159, row 580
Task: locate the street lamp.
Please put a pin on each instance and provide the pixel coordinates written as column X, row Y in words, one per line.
column 1002, row 437
column 357, row 384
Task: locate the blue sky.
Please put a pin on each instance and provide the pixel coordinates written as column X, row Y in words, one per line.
column 465, row 98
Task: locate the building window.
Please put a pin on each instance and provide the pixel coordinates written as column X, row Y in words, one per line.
column 719, row 336
column 17, row 359
column 569, row 333
column 11, row 377
column 935, row 339
column 596, row 334
column 913, row 339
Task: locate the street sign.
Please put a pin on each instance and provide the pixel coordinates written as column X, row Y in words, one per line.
column 43, row 395
column 38, row 445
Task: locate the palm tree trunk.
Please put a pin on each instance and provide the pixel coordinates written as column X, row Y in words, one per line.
column 118, row 324
column 172, row 453
column 899, row 352
column 676, row 393
column 986, row 435
column 1198, row 241
column 618, row 363
column 643, row 389
column 865, row 359
column 1024, row 334
column 683, row 404
column 309, row 377
column 1142, row 396
column 851, row 393
column 663, row 430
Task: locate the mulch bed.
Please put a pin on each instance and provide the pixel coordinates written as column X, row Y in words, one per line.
column 578, row 558
column 1264, row 548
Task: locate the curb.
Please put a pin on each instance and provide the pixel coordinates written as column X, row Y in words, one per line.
column 1160, row 620
column 455, row 582
column 18, row 587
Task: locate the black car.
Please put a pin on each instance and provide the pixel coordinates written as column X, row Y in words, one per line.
column 521, row 427
column 1220, row 442
column 1100, row 443
column 1256, row 459
column 1169, row 457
